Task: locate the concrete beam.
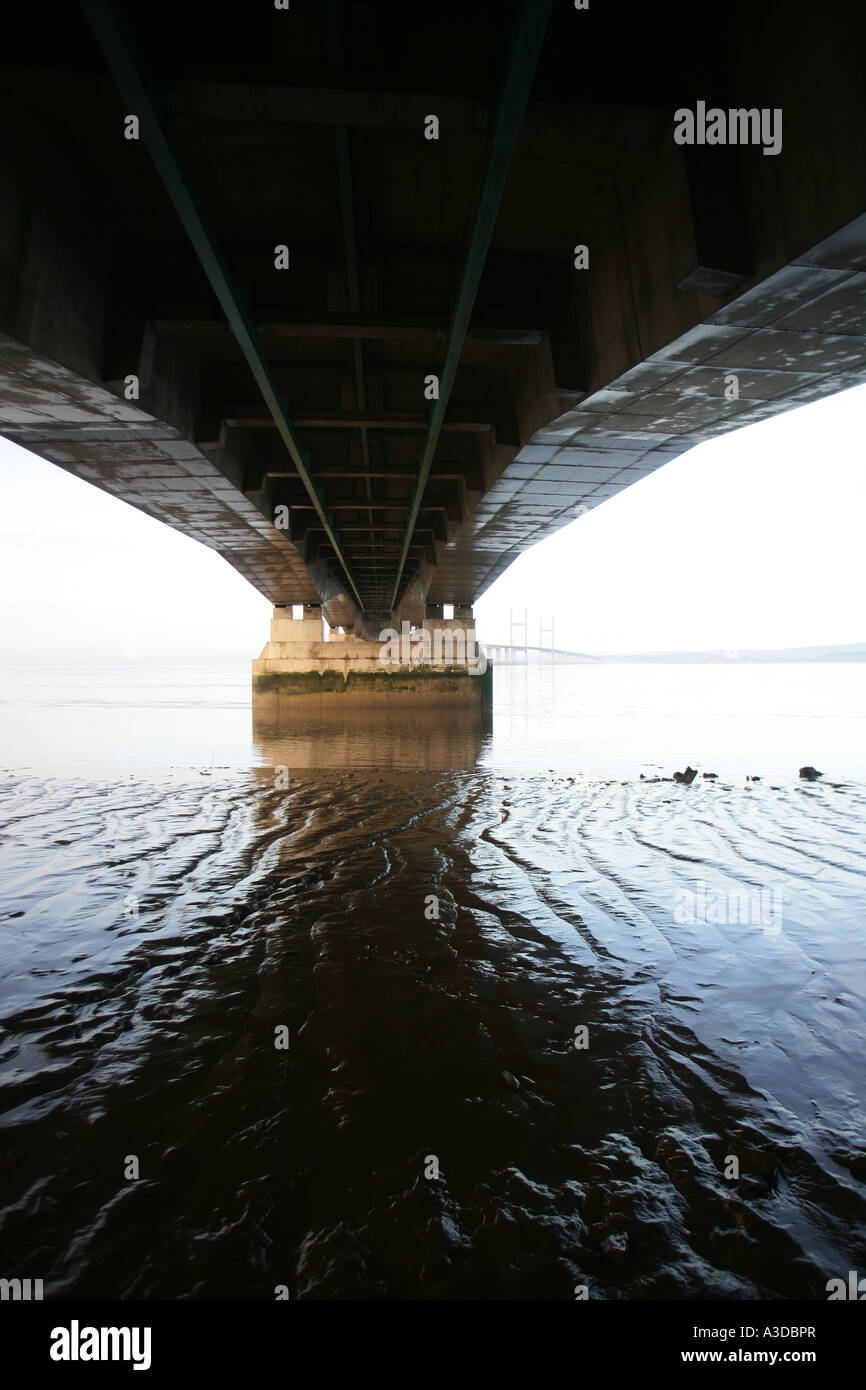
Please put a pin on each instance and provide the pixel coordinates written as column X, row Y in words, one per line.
column 394, row 328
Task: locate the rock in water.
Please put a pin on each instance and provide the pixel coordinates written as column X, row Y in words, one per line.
column 809, row 774
column 687, row 777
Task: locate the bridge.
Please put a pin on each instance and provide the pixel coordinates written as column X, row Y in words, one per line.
column 371, row 297
column 505, row 655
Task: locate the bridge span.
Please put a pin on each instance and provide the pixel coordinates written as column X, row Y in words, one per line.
column 501, row 654
column 369, row 297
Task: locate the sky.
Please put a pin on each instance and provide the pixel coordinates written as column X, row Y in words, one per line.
column 752, row 540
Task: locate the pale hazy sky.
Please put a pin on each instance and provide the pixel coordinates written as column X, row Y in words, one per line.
column 752, row 540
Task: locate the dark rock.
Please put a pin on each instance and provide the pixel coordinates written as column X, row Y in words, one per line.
column 686, row 777
column 711, row 776
column 810, row 774
column 616, row 1244
column 757, row 1161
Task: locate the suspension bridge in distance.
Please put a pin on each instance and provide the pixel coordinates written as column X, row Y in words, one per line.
column 504, row 654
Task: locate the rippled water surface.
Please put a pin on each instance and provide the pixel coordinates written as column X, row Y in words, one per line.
column 432, row 910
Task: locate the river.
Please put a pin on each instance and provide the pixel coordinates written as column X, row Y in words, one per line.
column 411, row 1008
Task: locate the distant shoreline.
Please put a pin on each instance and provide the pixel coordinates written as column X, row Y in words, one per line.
column 855, row 651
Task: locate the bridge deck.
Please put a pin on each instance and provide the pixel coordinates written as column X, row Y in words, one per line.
column 281, row 415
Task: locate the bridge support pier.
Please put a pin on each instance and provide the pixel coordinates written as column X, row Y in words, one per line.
column 436, row 664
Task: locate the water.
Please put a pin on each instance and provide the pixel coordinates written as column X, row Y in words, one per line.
column 433, row 913
column 616, row 720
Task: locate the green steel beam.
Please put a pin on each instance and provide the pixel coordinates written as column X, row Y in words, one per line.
column 347, row 213
column 527, row 38
column 140, row 101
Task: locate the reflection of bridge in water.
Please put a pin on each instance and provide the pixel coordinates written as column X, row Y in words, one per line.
column 396, row 739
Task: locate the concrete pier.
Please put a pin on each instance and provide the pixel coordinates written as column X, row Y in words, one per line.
column 306, row 665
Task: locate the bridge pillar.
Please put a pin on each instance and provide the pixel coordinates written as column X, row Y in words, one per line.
column 438, row 663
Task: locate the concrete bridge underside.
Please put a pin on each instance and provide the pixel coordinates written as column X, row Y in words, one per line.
column 305, row 128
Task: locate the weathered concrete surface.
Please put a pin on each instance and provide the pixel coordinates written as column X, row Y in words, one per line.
column 409, row 686
column 573, row 383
